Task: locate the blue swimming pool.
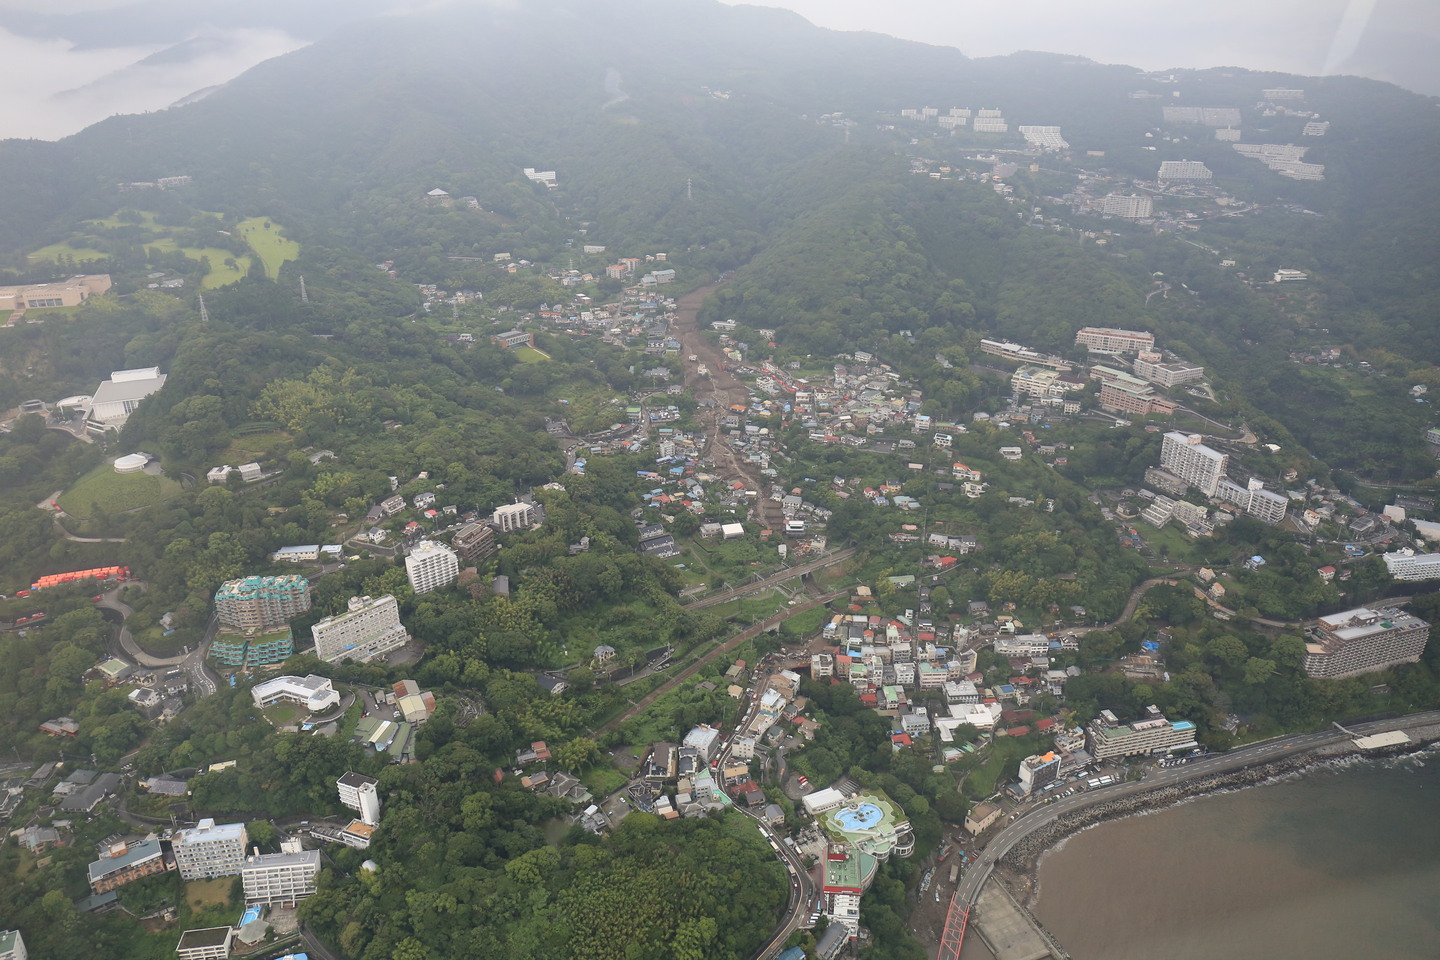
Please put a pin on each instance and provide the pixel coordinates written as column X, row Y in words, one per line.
column 860, row 817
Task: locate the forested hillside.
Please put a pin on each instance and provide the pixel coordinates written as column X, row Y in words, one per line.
column 767, row 160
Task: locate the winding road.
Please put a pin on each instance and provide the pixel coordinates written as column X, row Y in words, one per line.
column 193, row 662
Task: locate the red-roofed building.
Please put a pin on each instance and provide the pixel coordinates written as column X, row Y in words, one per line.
column 900, row 740
column 1018, row 732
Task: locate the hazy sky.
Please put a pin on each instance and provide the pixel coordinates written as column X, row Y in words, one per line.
column 53, row 87
column 1293, row 36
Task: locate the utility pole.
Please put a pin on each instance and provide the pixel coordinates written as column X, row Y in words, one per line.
column 304, row 297
column 204, row 314
column 689, row 191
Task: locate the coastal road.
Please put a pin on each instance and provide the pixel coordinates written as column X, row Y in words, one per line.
column 1027, row 820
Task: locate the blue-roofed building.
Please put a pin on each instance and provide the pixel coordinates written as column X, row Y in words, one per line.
column 794, row 953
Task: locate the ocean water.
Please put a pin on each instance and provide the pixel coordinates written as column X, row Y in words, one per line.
column 1340, row 862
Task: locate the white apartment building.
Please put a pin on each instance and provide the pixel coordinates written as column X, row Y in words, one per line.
column 209, row 850
column 1184, row 170
column 431, row 566
column 1406, row 564
column 280, row 877
column 1022, row 645
column 1363, row 640
column 1129, row 207
column 1264, row 505
column 12, row 945
column 514, row 516
column 1188, row 458
column 358, row 792
column 1114, row 340
column 369, row 628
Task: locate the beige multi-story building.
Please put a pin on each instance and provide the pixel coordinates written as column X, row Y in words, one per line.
column 1043, row 383
column 514, row 516
column 370, row 627
column 257, row 603
column 1188, row 458
column 1150, row 366
column 1125, row 398
column 1113, row 340
column 1107, row 738
column 1363, row 640
column 66, row 293
column 287, row 877
column 475, row 542
column 209, row 849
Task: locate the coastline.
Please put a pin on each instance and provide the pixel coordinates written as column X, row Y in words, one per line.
column 1018, row 869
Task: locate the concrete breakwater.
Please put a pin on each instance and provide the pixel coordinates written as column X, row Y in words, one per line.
column 1020, row 861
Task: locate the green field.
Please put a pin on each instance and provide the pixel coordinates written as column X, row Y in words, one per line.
column 114, row 221
column 115, row 492
column 220, row 272
column 57, row 250
column 263, row 236
column 247, row 448
column 530, row 355
column 269, row 244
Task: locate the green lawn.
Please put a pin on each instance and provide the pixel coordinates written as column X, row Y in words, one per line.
column 285, row 713
column 115, row 492
column 220, row 273
column 112, row 222
column 55, row 251
column 245, row 448
column 530, row 355
column 269, row 244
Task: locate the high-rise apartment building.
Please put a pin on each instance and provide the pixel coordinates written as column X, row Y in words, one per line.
column 256, row 603
column 286, row 877
column 1363, row 640
column 431, row 566
column 514, row 516
column 1129, row 207
column 370, row 627
column 209, row 850
column 1192, row 461
column 1184, row 170
column 12, row 945
column 358, row 792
